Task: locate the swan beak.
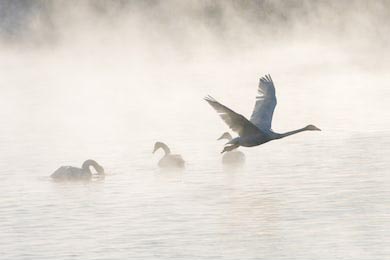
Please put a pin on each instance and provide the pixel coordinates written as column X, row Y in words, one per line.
column 219, row 138
column 154, row 150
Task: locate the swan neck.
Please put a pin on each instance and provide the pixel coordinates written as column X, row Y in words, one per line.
column 292, row 132
column 165, row 148
column 94, row 164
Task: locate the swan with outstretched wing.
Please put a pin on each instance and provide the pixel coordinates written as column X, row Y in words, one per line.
column 257, row 130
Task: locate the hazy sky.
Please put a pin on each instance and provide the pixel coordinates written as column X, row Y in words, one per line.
column 147, row 63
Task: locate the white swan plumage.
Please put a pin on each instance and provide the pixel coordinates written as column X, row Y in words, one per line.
column 75, row 173
column 257, row 130
column 168, row 160
column 232, row 157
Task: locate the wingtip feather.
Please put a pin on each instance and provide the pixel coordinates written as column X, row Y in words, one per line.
column 209, row 98
column 266, row 78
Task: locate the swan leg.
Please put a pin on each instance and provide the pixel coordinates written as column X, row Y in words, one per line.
column 230, row 148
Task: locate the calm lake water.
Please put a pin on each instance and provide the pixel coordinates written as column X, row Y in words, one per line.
column 321, row 195
column 315, row 195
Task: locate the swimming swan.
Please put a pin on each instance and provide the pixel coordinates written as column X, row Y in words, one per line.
column 232, row 157
column 74, row 173
column 257, row 130
column 168, row 160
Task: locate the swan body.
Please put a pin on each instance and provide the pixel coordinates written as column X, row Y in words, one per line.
column 233, row 157
column 257, row 130
column 75, row 173
column 168, row 160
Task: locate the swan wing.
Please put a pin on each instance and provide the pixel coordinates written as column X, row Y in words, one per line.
column 177, row 156
column 238, row 123
column 265, row 104
column 172, row 161
column 69, row 173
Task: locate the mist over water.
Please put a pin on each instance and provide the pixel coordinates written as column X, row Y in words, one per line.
column 107, row 79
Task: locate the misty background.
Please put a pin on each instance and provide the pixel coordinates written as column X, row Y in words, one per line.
column 106, row 79
column 80, row 70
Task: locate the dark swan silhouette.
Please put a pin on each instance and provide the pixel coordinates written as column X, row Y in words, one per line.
column 257, row 130
column 75, row 173
column 168, row 160
column 233, row 157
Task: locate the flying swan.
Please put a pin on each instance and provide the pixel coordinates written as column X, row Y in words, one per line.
column 75, row 173
column 257, row 130
column 232, row 157
column 168, row 160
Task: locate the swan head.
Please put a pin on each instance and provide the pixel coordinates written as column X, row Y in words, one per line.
column 225, row 135
column 99, row 169
column 157, row 146
column 312, row 128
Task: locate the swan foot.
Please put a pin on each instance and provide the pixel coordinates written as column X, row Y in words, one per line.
column 230, row 148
